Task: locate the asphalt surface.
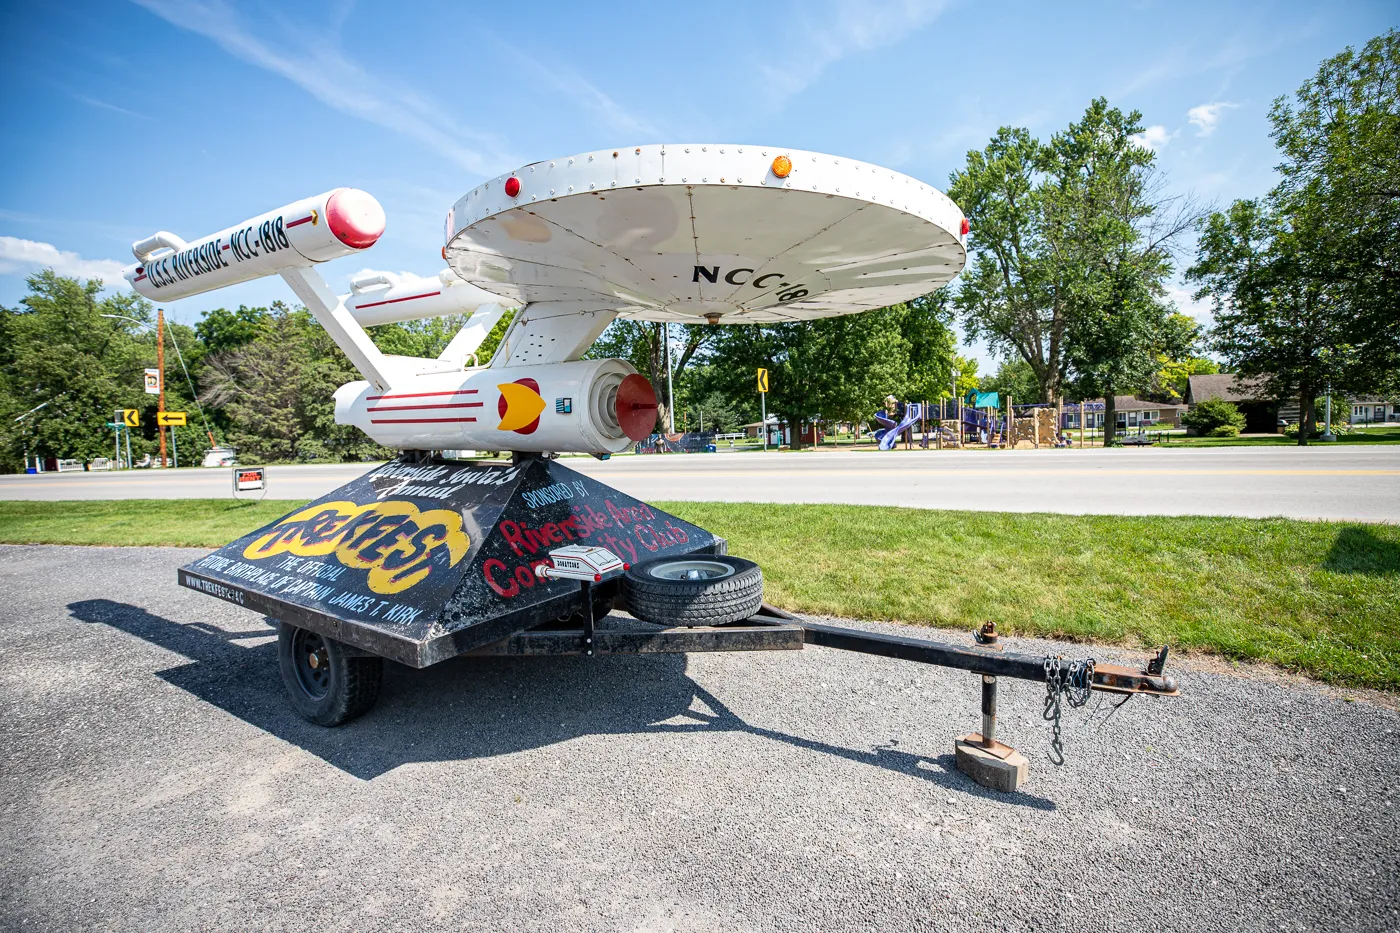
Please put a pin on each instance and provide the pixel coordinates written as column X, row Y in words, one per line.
column 1346, row 483
column 153, row 779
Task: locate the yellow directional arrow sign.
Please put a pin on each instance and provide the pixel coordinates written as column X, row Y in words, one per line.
column 131, row 417
column 763, row 380
column 171, row 419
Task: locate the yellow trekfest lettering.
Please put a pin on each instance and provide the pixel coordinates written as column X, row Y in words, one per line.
column 394, row 541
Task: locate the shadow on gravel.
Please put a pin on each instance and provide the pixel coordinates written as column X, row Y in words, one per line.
column 1358, row 549
column 477, row 707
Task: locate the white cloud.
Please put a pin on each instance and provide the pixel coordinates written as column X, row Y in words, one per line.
column 1154, row 137
column 312, row 62
column 21, row 257
column 1205, row 117
column 819, row 38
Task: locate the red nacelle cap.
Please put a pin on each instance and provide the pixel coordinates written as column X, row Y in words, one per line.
column 636, row 407
column 355, row 217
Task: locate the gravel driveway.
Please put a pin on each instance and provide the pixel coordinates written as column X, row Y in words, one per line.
column 152, row 778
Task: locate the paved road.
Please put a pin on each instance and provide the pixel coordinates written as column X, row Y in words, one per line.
column 152, row 779
column 1357, row 483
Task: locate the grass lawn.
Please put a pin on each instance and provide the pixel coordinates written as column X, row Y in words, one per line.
column 1317, row 597
column 137, row 522
column 1360, row 436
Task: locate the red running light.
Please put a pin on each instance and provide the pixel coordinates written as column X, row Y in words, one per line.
column 512, row 186
column 965, row 227
column 597, row 578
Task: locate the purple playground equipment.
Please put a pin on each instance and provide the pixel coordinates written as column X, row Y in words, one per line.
column 889, row 431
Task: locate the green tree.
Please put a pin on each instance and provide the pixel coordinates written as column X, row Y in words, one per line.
column 57, row 350
column 840, row 368
column 1174, row 370
column 1306, row 282
column 429, row 337
column 221, row 329
column 1339, row 138
column 1279, row 319
column 278, row 392
column 1114, row 236
column 1009, row 295
column 1070, row 243
column 1014, row 379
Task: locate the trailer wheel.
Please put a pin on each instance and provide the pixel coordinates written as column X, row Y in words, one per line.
column 696, row 590
column 327, row 684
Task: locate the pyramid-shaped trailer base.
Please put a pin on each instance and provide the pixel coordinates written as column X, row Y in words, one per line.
column 421, row 560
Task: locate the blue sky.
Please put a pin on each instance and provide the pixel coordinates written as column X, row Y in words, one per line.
column 123, row 119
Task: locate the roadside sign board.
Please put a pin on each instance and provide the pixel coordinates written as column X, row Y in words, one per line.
column 131, row 417
column 171, row 419
column 249, row 478
column 152, row 382
column 763, row 380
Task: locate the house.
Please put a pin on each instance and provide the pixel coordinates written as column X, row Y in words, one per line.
column 1130, row 411
column 779, row 433
column 1372, row 410
column 1262, row 413
column 756, row 428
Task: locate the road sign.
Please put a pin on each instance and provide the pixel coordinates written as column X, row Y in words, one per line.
column 763, row 380
column 171, row 419
column 114, row 424
column 131, row 417
column 152, row 382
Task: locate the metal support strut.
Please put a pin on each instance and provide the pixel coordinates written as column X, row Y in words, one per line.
column 587, row 589
column 989, row 710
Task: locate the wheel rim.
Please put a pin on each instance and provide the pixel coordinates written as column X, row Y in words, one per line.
column 688, row 570
column 312, row 662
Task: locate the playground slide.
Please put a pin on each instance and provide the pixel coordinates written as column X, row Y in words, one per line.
column 889, row 432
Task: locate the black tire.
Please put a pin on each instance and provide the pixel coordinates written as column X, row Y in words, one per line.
column 694, row 590
column 327, row 683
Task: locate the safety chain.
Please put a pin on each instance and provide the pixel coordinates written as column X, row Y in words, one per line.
column 1074, row 679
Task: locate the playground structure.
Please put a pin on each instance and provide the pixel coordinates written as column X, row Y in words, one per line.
column 429, row 557
column 977, row 419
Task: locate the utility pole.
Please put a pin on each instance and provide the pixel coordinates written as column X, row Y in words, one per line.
column 1327, row 434
column 160, row 367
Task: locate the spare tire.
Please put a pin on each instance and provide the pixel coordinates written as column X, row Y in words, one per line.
column 695, row 590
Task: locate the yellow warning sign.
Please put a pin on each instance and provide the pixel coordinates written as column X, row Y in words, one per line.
column 171, row 419
column 763, row 380
column 131, row 417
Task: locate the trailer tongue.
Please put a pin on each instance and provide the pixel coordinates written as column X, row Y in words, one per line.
column 430, row 557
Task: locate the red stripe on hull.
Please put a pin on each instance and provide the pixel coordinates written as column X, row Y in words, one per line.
column 419, row 420
column 390, row 301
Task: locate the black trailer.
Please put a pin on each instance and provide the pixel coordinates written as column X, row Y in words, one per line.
column 424, row 558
